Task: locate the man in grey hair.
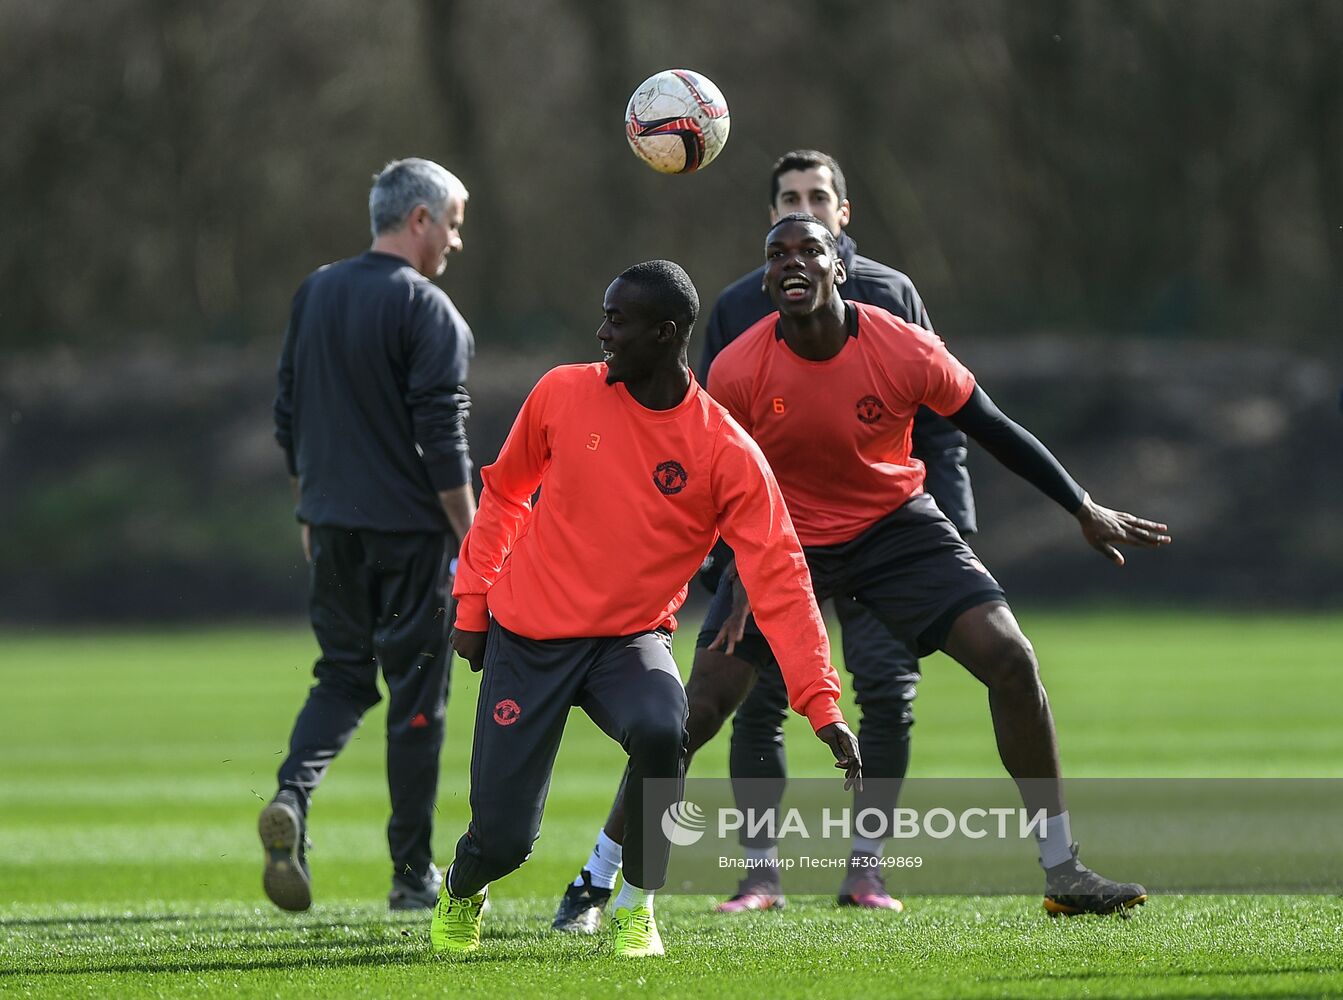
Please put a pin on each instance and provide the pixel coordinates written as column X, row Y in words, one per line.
column 371, row 415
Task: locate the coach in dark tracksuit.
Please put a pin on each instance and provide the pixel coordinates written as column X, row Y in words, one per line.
column 371, row 414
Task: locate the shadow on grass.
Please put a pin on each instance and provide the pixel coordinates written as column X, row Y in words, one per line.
column 146, row 918
column 223, row 919
column 411, row 952
column 376, row 940
column 316, row 958
column 1064, row 977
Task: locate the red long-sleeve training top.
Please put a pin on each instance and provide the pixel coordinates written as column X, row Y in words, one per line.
column 632, row 500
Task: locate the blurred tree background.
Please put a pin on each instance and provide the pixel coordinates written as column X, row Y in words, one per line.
column 1143, row 196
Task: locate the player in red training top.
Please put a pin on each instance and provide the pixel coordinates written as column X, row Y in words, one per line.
column 829, row 389
column 573, row 601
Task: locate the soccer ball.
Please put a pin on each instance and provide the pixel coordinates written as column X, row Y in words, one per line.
column 677, row 121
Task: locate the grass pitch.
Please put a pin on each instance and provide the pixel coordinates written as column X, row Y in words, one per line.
column 132, row 767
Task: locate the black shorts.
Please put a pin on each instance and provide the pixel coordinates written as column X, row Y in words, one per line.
column 911, row 569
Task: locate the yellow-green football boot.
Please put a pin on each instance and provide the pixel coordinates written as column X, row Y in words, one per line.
column 637, row 933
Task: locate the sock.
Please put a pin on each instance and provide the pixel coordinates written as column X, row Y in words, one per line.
column 604, row 862
column 296, row 798
column 766, row 858
column 631, row 896
column 1056, row 845
column 866, row 845
column 447, row 884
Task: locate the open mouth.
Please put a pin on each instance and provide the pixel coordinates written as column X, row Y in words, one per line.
column 794, row 288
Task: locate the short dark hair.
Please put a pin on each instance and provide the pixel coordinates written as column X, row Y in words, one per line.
column 402, row 185
column 831, row 243
column 806, row 159
column 671, row 293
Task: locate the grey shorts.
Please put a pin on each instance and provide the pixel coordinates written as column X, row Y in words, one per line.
column 911, row 569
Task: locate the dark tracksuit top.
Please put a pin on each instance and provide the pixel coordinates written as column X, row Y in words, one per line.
column 937, row 443
column 371, row 408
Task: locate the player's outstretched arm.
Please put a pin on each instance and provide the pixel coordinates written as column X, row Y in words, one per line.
column 1104, row 528
column 1019, row 450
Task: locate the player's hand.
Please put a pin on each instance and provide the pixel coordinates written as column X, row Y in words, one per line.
column 1104, row 528
column 844, row 745
column 470, row 646
column 305, row 539
column 735, row 627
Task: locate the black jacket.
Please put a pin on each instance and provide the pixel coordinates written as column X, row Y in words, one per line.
column 937, row 443
column 371, row 408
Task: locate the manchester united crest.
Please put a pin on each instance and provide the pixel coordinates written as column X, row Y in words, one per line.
column 870, row 409
column 670, row 478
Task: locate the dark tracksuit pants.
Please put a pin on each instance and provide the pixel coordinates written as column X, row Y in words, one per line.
column 377, row 599
column 885, row 675
column 631, row 689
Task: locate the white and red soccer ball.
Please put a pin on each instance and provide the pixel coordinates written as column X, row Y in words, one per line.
column 677, row 121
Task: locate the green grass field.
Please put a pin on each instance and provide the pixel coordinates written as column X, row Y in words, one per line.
column 132, row 766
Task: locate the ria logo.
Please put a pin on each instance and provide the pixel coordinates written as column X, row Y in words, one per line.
column 670, row 478
column 683, row 823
